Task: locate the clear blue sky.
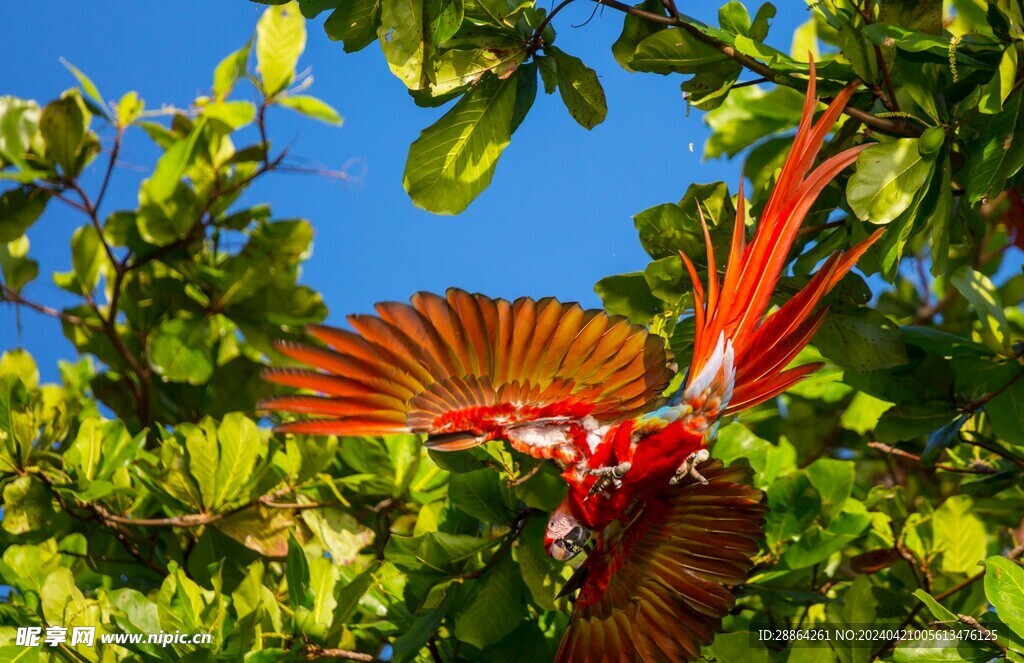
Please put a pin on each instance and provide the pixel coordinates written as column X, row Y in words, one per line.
column 556, row 219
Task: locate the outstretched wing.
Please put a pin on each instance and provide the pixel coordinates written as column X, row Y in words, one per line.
column 465, row 367
column 658, row 588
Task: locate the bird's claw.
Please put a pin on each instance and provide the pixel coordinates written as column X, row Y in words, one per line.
column 689, row 467
column 607, row 477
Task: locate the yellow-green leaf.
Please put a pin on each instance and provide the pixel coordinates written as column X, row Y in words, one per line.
column 454, row 159
column 280, row 40
column 311, row 107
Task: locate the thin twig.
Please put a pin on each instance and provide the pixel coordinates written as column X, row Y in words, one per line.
column 315, row 652
column 900, row 453
column 14, row 297
column 518, row 526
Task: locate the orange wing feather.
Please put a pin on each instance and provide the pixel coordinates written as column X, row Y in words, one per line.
column 464, row 362
column 658, row 588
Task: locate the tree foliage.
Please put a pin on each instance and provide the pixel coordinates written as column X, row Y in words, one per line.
column 141, row 494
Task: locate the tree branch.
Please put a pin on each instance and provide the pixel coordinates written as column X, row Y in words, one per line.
column 200, row 519
column 518, row 526
column 14, row 297
column 900, row 453
column 885, row 125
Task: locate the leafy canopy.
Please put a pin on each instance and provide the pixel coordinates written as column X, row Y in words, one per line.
column 141, row 494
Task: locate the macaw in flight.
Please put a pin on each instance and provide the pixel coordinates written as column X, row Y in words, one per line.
column 673, row 531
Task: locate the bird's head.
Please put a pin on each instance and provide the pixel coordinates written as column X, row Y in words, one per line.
column 565, row 536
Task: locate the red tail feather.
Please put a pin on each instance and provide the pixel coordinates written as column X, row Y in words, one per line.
column 763, row 346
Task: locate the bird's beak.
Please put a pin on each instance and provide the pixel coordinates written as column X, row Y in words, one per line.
column 559, row 553
column 570, row 545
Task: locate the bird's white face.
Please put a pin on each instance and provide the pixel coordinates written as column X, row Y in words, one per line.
column 565, row 537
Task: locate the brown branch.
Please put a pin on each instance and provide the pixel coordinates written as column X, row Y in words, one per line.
column 974, row 441
column 12, row 296
column 756, row 81
column 885, row 125
column 536, row 40
column 1012, row 555
column 315, row 652
column 114, row 151
column 200, row 519
column 125, row 537
column 518, row 526
column 900, row 453
column 988, row 636
column 518, row 481
column 810, row 230
column 981, row 402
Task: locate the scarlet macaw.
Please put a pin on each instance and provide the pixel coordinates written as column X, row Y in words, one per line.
column 584, row 389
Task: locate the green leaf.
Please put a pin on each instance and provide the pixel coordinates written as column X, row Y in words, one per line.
column 938, row 611
column 87, row 85
column 862, row 338
column 65, row 604
column 435, row 552
column 526, row 92
column 86, row 257
column 887, row 178
column 311, row 107
column 817, row 544
column 453, row 160
column 62, row 125
column 931, row 649
column 628, row 295
column 172, row 166
column 634, row 31
column 19, row 121
column 87, row 448
column 994, row 95
column 445, row 19
column 297, row 574
column 340, row 533
column 239, row 447
column 908, row 421
column 27, row 505
column 960, row 534
column 229, row 71
column 231, row 114
column 19, row 362
column 402, row 39
column 793, row 505
column 749, row 114
column 997, row 153
column 280, row 40
column 19, row 209
column 354, row 23
column 833, row 479
column 708, row 88
column 181, row 350
column 581, row 91
column 496, row 608
column 984, row 299
column 482, row 494
column 673, row 51
column 18, row 270
column 769, row 461
column 1004, row 589
column 863, row 412
column 129, row 107
column 940, row 439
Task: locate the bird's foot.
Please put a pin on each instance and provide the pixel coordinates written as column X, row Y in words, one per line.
column 689, row 467
column 607, row 477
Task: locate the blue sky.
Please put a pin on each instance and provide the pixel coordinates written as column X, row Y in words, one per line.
column 556, row 219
